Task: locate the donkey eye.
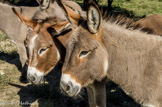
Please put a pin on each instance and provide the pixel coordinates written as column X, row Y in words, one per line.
column 83, row 53
column 42, row 51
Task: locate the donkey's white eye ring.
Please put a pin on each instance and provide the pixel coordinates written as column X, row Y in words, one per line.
column 42, row 51
column 83, row 53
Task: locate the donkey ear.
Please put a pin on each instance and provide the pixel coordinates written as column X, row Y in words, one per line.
column 28, row 21
column 44, row 4
column 70, row 14
column 58, row 28
column 93, row 18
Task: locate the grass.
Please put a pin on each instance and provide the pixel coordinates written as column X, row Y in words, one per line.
column 2, row 36
column 140, row 7
column 0, row 77
column 6, row 46
column 137, row 7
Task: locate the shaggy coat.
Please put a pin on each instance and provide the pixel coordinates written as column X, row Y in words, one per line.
column 131, row 58
column 152, row 22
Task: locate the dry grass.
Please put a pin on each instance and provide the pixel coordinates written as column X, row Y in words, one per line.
column 6, row 45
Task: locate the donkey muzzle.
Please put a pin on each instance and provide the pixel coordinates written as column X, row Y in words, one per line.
column 34, row 79
column 70, row 86
column 34, row 75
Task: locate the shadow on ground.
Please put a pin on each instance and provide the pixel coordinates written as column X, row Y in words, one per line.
column 49, row 94
column 12, row 58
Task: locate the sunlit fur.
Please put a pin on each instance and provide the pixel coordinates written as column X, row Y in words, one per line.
column 41, row 38
column 134, row 60
column 15, row 30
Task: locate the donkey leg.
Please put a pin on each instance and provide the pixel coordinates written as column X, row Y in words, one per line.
column 23, row 57
column 100, row 93
column 91, row 97
column 22, row 53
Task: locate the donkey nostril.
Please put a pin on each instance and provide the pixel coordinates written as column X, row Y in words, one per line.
column 68, row 88
column 32, row 78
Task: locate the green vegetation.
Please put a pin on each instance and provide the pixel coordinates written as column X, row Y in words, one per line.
column 6, row 46
column 2, row 36
column 0, row 77
column 138, row 7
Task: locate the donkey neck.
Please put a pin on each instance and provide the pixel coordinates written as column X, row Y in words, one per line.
column 132, row 59
column 61, row 42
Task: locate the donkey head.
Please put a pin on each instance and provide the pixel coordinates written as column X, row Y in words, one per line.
column 86, row 57
column 43, row 50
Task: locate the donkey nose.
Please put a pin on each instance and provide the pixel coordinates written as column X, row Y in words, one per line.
column 69, row 88
column 66, row 87
column 31, row 78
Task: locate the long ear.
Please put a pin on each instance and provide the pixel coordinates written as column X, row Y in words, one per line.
column 93, row 17
column 28, row 21
column 44, row 4
column 72, row 16
column 58, row 28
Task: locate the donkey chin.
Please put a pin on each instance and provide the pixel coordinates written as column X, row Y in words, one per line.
column 69, row 85
column 34, row 75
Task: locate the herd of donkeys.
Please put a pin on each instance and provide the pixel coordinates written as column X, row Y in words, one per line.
column 93, row 49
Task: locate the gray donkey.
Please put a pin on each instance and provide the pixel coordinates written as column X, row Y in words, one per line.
column 99, row 50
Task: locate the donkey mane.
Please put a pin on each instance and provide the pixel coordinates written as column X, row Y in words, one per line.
column 119, row 20
column 127, row 23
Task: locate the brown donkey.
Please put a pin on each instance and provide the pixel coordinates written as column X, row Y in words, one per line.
column 17, row 31
column 97, row 51
column 44, row 51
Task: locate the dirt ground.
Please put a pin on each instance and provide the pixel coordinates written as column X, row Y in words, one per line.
column 13, row 93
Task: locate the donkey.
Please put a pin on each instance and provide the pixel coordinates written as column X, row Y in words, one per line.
column 17, row 33
column 10, row 25
column 42, row 33
column 98, row 50
column 53, row 54
column 153, row 22
column 41, row 47
column 44, row 50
